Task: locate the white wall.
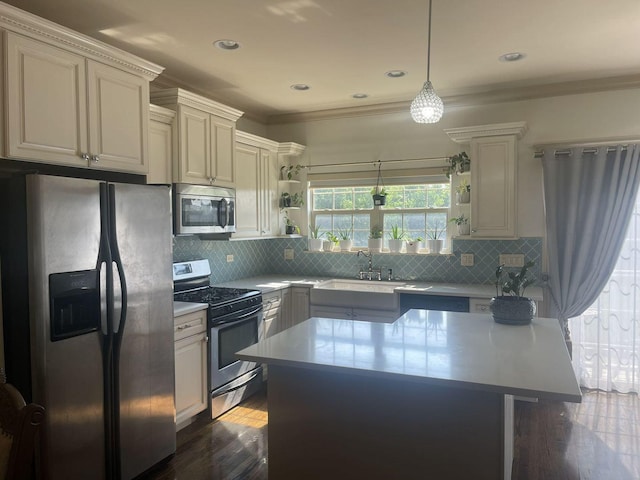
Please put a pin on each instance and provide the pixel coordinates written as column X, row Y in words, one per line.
column 572, row 118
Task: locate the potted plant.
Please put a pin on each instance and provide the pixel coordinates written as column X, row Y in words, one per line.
column 330, row 242
column 288, row 171
column 463, row 192
column 290, row 228
column 434, row 242
column 344, row 234
column 458, row 163
column 314, row 242
column 285, row 200
column 379, row 195
column 413, row 244
column 297, row 200
column 462, row 223
column 510, row 306
column 375, row 239
column 396, row 239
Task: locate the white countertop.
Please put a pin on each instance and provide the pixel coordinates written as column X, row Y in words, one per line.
column 461, row 350
column 269, row 283
column 182, row 308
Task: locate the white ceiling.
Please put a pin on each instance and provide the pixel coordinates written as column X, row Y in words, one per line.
column 342, row 47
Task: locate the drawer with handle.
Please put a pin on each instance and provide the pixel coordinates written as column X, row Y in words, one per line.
column 190, row 324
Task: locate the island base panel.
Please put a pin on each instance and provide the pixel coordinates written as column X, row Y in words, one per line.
column 334, row 425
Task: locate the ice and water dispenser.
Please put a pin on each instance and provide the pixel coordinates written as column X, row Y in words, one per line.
column 74, row 303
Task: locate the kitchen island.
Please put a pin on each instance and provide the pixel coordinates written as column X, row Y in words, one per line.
column 430, row 394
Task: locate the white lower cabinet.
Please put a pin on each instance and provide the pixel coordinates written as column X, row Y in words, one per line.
column 299, row 311
column 191, row 341
column 272, row 313
column 349, row 313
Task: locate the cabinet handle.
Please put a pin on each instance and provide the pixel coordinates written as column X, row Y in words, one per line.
column 212, row 180
column 205, row 339
column 95, row 158
column 186, row 325
column 85, row 157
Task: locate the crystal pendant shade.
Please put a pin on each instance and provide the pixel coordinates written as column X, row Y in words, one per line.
column 427, row 107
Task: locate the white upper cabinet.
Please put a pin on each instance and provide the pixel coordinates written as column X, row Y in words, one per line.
column 205, row 135
column 71, row 100
column 493, row 154
column 256, row 187
column 160, row 145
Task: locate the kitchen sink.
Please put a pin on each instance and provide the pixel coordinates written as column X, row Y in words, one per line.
column 370, row 294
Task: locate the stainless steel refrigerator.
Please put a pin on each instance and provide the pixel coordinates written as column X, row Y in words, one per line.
column 88, row 319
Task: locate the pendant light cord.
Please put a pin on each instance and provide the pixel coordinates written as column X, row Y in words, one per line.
column 429, row 44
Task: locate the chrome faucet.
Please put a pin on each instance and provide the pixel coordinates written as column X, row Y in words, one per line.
column 369, row 273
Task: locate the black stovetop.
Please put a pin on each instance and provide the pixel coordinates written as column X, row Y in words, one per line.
column 222, row 300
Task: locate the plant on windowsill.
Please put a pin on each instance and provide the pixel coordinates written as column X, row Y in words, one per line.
column 396, row 239
column 434, row 240
column 510, row 306
column 374, row 244
column 458, row 164
column 344, row 234
column 330, row 242
column 462, row 223
column 413, row 244
column 314, row 242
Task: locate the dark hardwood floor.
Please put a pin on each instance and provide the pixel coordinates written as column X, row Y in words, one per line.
column 598, row 439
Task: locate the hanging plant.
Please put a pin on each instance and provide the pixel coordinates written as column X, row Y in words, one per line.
column 379, row 193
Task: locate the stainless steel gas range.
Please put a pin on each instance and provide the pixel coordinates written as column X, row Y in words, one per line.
column 234, row 321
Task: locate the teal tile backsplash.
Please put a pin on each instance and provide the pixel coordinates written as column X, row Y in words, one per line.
column 262, row 257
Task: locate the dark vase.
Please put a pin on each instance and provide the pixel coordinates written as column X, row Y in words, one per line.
column 286, row 202
column 290, row 229
column 512, row 310
column 379, row 199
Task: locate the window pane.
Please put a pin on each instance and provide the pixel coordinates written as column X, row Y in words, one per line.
column 324, row 222
column 343, row 199
column 323, row 199
column 438, row 195
column 437, row 225
column 415, row 196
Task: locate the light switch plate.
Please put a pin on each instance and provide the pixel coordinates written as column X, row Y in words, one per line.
column 466, row 259
column 288, row 253
column 512, row 260
column 229, row 258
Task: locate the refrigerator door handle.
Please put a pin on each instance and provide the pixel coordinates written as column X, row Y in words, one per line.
column 113, row 242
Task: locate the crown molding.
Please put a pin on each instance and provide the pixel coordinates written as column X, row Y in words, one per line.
column 24, row 23
column 161, row 114
column 466, row 134
column 291, row 149
column 179, row 96
column 495, row 95
column 256, row 141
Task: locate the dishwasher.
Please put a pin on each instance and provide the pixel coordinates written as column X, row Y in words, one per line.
column 433, row 302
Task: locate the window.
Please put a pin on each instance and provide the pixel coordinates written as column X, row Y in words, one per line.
column 420, row 210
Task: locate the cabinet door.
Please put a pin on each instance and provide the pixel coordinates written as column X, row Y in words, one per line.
column 268, row 192
column 248, row 192
column 299, row 305
column 46, row 103
column 118, row 119
column 493, row 176
column 160, row 151
column 223, row 138
column 285, row 310
column 194, row 151
column 191, row 376
column 272, row 308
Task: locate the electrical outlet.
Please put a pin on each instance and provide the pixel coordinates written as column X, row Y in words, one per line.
column 229, row 258
column 288, row 253
column 466, row 259
column 512, row 260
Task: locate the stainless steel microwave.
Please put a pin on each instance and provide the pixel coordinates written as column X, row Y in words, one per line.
column 202, row 209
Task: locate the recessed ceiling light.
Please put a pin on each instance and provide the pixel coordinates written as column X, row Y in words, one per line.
column 300, row 86
column 359, row 96
column 511, row 57
column 227, row 44
column 395, row 73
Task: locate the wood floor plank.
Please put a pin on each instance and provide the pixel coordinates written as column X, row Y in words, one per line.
column 598, row 439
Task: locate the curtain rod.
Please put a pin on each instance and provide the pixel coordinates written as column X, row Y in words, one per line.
column 540, row 153
column 376, row 162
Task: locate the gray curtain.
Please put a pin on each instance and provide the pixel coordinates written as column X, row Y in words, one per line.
column 589, row 197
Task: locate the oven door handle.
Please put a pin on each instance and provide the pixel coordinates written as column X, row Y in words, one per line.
column 233, row 319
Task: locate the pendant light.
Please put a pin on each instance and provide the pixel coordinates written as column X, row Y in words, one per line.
column 427, row 107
